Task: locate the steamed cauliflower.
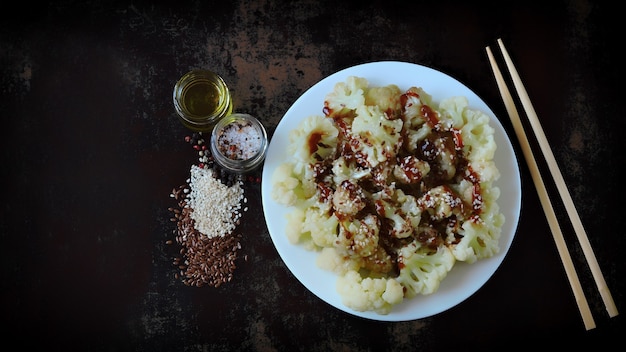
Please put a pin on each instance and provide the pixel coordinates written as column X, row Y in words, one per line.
column 391, row 190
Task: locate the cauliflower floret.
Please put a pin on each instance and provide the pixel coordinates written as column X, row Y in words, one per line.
column 481, row 236
column 486, row 169
column 441, row 202
column 408, row 207
column 314, row 139
column 379, row 139
column 415, row 136
column 453, row 109
column 349, row 198
column 369, row 294
column 286, row 186
column 422, row 270
column 342, row 171
column 321, row 225
column 293, row 230
column 481, row 145
column 379, row 263
column 411, row 108
column 310, row 226
column 413, row 99
column 359, row 237
column 401, row 209
column 387, row 98
column 440, row 150
column 347, row 95
column 414, row 126
column 465, row 190
column 476, row 132
column 410, row 170
column 477, row 243
column 330, row 259
column 291, row 187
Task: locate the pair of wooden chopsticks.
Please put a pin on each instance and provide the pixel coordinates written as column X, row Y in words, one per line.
column 579, row 295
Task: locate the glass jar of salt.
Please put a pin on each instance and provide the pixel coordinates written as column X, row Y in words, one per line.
column 239, row 142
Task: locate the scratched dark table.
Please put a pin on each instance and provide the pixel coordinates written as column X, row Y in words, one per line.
column 91, row 150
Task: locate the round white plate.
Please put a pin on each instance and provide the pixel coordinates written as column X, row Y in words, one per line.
column 464, row 279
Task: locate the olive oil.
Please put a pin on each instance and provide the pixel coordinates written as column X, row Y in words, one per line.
column 201, row 98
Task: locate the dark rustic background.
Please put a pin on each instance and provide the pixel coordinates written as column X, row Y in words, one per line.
column 91, row 148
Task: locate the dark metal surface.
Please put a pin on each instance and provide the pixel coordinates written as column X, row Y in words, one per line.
column 91, row 149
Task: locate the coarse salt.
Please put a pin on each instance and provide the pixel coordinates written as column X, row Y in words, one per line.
column 239, row 140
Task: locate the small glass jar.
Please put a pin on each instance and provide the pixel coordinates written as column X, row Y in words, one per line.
column 201, row 98
column 239, row 143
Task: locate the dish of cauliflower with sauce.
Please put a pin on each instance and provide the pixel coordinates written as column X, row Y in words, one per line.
column 391, row 190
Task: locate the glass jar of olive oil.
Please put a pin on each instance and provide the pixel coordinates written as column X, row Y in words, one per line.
column 201, row 98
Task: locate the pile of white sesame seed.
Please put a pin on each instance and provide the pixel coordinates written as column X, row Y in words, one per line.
column 216, row 207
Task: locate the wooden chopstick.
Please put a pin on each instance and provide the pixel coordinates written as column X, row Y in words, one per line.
column 579, row 295
column 561, row 186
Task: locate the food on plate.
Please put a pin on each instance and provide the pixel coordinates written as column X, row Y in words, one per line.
column 392, row 189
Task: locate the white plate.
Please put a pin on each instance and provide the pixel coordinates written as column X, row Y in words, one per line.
column 464, row 279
